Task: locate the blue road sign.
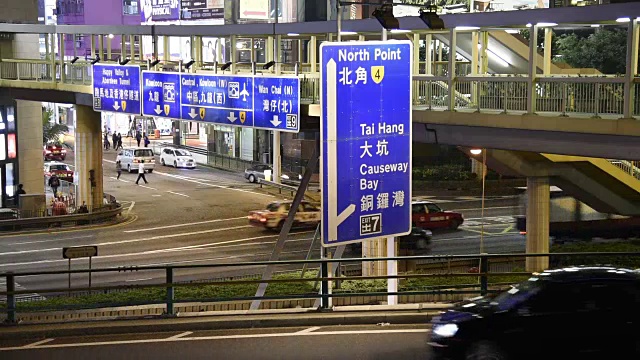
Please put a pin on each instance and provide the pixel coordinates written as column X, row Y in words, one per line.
column 366, row 140
column 161, row 94
column 116, row 88
column 219, row 99
column 277, row 103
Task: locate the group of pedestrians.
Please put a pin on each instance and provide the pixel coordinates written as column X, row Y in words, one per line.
column 115, row 138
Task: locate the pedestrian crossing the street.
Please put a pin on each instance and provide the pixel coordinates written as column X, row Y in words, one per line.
column 455, row 199
column 20, row 297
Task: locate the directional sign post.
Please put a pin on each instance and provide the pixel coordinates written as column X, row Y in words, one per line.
column 226, row 100
column 366, row 140
column 116, row 88
column 161, row 94
column 277, row 103
column 75, row 252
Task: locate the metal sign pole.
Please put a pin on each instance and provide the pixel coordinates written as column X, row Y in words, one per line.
column 69, row 277
column 90, row 271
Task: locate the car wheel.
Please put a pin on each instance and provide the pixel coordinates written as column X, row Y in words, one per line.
column 175, row 164
column 129, row 168
column 280, row 226
column 252, row 178
column 150, row 171
column 162, row 162
column 454, row 224
column 485, row 350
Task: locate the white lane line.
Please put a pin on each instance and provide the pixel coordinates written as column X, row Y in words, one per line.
column 186, row 333
column 311, row 329
column 156, row 195
column 501, row 218
column 470, row 237
column 212, row 185
column 51, row 240
column 130, row 208
column 159, row 237
column 147, row 187
column 489, row 208
column 175, row 193
column 38, row 343
column 133, row 280
column 150, row 252
column 109, row 161
column 227, row 337
column 187, row 224
column 115, row 178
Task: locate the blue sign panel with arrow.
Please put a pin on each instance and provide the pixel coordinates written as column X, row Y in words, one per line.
column 116, row 88
column 161, row 94
column 277, row 103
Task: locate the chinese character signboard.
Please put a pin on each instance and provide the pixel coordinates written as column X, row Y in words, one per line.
column 277, row 103
column 161, row 94
column 366, row 140
column 116, row 88
column 202, row 9
column 160, row 10
column 226, row 100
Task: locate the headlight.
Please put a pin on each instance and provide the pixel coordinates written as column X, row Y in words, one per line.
column 285, row 176
column 445, row 330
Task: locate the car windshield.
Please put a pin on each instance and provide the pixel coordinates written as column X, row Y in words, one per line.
column 143, row 152
column 58, row 167
column 517, row 294
column 273, row 207
column 182, row 153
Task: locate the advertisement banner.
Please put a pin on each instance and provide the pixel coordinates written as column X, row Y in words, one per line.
column 254, row 9
column 160, row 10
column 201, row 9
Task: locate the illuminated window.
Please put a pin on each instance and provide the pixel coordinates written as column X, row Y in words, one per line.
column 12, row 146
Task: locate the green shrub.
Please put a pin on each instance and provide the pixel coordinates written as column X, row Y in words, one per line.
column 443, row 173
column 579, row 247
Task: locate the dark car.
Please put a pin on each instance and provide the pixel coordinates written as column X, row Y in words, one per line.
column 53, row 151
column 569, row 313
column 418, row 239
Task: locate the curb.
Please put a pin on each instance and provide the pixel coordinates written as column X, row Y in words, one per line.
column 196, row 322
column 123, row 220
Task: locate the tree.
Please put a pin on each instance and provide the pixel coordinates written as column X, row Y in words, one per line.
column 51, row 132
column 604, row 50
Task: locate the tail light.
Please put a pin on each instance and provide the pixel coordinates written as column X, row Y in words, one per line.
column 47, row 151
column 135, row 161
column 523, row 233
column 263, row 219
column 64, row 151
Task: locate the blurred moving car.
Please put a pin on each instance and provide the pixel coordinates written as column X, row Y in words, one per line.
column 177, row 158
column 54, row 151
column 274, row 216
column 256, row 173
column 568, row 313
column 130, row 158
column 427, row 215
column 62, row 170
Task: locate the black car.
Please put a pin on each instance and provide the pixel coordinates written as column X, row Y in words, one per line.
column 569, row 313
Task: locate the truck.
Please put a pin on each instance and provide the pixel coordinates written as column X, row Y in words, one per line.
column 570, row 218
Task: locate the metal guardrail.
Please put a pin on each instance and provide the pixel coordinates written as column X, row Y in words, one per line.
column 289, row 189
column 482, row 274
column 96, row 215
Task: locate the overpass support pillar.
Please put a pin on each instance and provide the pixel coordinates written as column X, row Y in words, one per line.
column 538, row 203
column 30, row 160
column 371, row 249
column 88, row 157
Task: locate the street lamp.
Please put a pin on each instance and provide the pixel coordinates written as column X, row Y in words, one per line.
column 475, row 151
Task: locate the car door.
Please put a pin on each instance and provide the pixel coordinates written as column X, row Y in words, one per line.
column 436, row 217
column 419, row 215
column 171, row 155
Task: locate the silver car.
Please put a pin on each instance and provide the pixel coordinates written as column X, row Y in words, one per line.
column 256, row 172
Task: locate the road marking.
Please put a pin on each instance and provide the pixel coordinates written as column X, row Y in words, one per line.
column 38, row 343
column 133, row 280
column 156, row 195
column 211, row 185
column 115, row 178
column 186, row 333
column 187, row 224
column 147, row 187
column 175, row 193
column 109, row 161
column 227, row 337
column 489, row 208
column 469, row 237
column 308, row 330
column 51, row 240
column 507, row 229
column 159, row 237
column 130, row 208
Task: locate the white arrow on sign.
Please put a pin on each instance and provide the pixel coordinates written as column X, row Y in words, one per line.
column 193, row 113
column 158, row 110
column 332, row 154
column 232, row 117
column 275, row 121
column 116, row 105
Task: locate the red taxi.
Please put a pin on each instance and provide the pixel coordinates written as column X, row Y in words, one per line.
column 427, row 215
column 53, row 151
column 62, row 171
column 274, row 216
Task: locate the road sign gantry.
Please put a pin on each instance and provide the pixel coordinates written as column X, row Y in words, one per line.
column 365, row 140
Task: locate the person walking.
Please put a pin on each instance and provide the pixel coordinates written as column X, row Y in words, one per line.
column 138, row 137
column 114, row 140
column 146, row 140
column 141, row 173
column 54, row 183
column 118, row 169
column 106, row 141
column 119, row 141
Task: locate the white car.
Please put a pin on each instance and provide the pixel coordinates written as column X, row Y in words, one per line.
column 177, row 158
column 130, row 159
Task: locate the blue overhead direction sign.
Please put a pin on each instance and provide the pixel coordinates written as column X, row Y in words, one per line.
column 161, row 94
column 116, row 88
column 277, row 103
column 365, row 140
column 220, row 99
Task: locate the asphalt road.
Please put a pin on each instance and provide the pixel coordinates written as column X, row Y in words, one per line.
column 199, row 216
column 330, row 342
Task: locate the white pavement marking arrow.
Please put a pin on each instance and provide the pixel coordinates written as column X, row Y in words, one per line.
column 335, row 219
column 275, row 121
column 158, row 110
column 193, row 113
column 232, row 117
column 116, row 106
